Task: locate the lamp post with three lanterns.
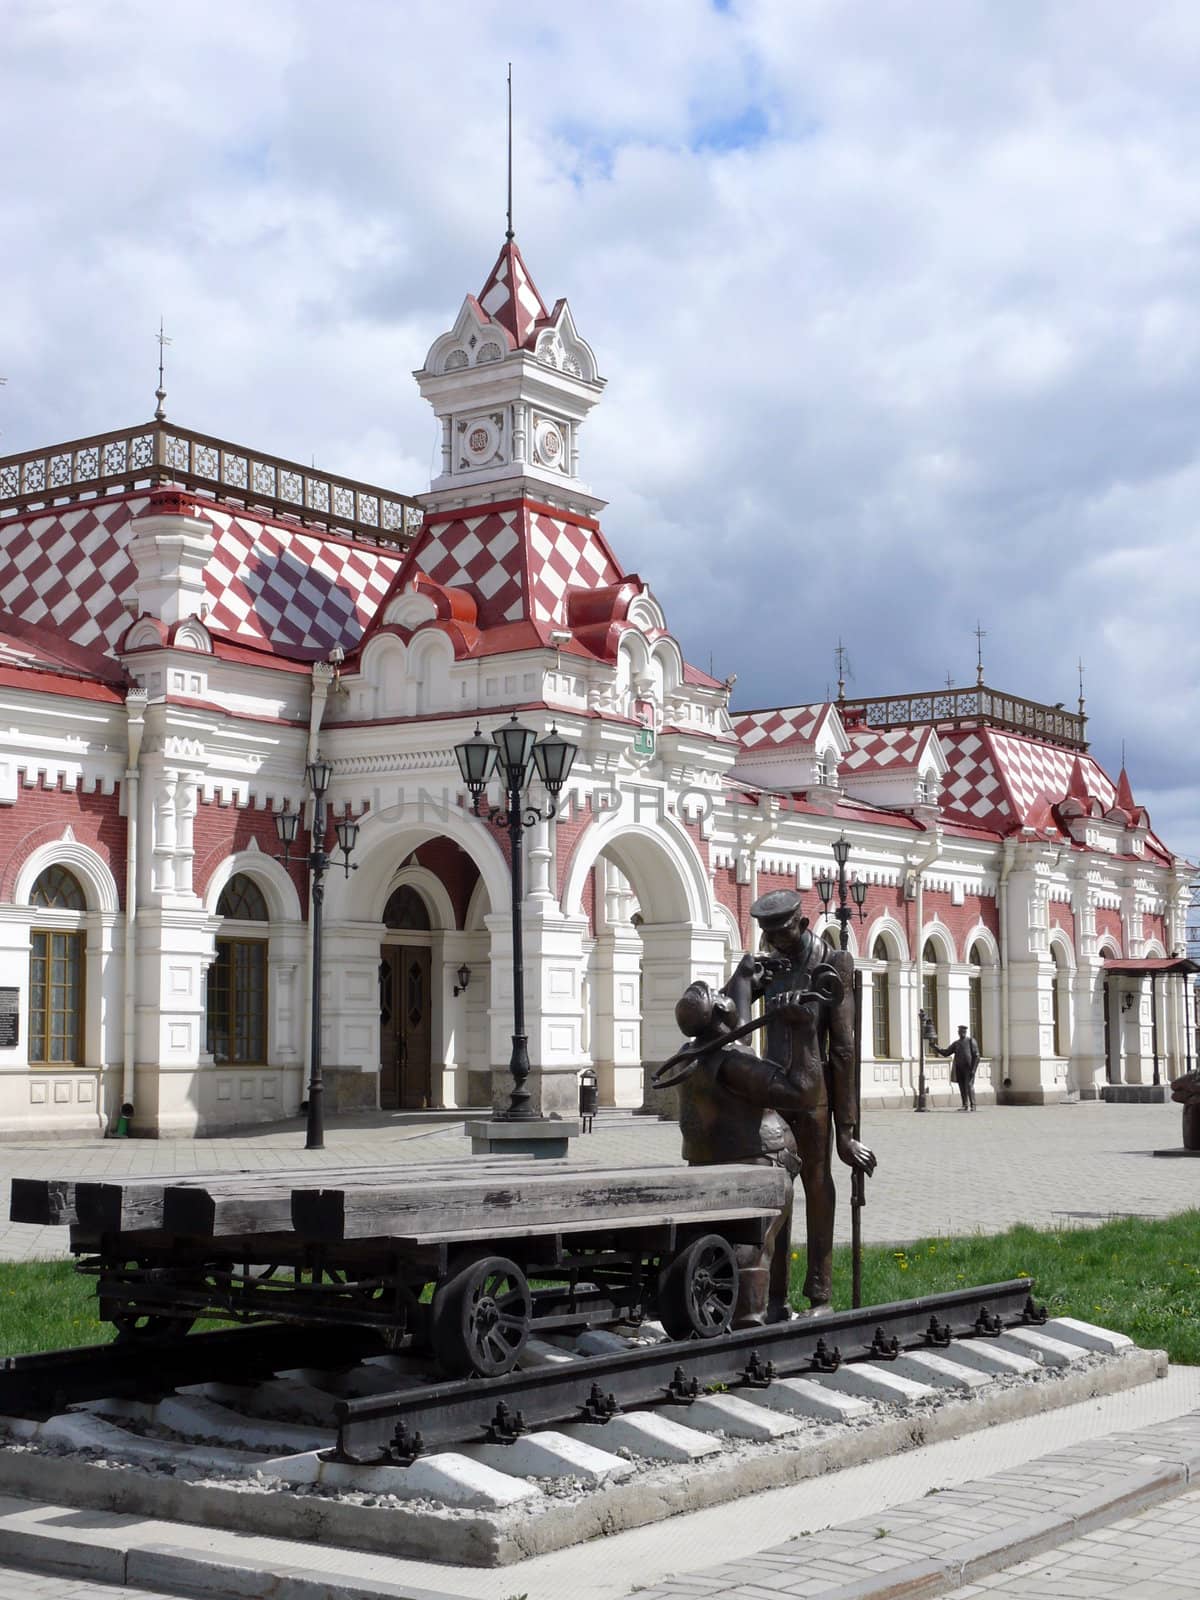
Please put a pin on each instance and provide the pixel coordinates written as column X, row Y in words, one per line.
column 844, row 912
column 515, row 753
column 287, row 826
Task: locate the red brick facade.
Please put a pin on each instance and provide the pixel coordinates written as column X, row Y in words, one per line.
column 42, row 814
column 1108, row 923
column 221, row 830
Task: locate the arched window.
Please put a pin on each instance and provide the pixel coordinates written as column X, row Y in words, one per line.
column 406, row 909
column 1060, row 1001
column 975, row 994
column 929, row 984
column 236, row 1006
column 881, row 1003
column 242, row 900
column 57, row 889
column 56, row 972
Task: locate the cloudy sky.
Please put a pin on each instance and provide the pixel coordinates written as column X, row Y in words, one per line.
column 896, row 299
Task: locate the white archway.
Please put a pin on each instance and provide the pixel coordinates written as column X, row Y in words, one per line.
column 283, row 902
column 431, row 889
column 660, row 862
column 892, row 934
column 97, row 882
column 388, row 836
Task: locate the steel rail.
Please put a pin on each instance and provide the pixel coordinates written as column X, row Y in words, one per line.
column 138, row 1368
column 470, row 1409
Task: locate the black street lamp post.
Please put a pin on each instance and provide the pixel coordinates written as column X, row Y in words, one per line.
column 287, row 826
column 515, row 752
column 844, row 912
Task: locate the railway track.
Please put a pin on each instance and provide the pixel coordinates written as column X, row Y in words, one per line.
column 418, row 1416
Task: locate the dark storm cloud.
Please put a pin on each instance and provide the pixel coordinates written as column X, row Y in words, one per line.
column 896, row 303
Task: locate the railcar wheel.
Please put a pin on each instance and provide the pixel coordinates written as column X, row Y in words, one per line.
column 130, row 1322
column 480, row 1318
column 697, row 1290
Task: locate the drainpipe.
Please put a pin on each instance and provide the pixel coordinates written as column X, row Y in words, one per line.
column 753, row 841
column 1005, row 1015
column 135, row 727
column 918, row 869
column 322, row 678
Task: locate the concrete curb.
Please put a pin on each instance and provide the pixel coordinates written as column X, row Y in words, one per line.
column 166, row 1568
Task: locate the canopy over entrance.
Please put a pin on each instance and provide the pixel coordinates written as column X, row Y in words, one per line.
column 1134, row 968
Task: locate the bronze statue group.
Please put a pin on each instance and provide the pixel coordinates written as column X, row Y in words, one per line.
column 794, row 1105
column 791, row 1107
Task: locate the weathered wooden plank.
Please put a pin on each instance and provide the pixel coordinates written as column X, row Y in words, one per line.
column 534, row 1202
column 720, row 1221
column 136, row 1203
column 44, row 1202
column 219, row 1210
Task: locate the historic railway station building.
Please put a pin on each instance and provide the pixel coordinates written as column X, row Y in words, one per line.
column 184, row 622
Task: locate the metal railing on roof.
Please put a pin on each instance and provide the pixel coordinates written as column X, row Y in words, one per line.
column 159, row 453
column 974, row 705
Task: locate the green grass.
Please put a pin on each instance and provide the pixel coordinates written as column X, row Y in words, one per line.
column 1139, row 1278
column 47, row 1305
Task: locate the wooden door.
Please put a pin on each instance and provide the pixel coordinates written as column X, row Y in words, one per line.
column 405, row 1032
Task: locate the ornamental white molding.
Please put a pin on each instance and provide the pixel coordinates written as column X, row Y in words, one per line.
column 98, row 884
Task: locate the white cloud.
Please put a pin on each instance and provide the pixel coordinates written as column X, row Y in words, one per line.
column 896, row 303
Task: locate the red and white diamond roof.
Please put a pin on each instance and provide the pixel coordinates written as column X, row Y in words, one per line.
column 268, row 584
column 784, row 725
column 510, row 297
column 997, row 779
column 878, row 750
column 518, row 561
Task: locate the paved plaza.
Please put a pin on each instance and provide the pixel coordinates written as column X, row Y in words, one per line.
column 944, row 1172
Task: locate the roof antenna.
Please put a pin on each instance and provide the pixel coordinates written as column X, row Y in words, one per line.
column 841, row 658
column 160, row 394
column 509, row 234
column 980, row 636
column 1082, row 702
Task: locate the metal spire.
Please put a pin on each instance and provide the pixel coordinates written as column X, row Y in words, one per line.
column 839, row 654
column 1082, row 702
column 160, row 394
column 980, row 636
column 509, row 233
column 949, row 681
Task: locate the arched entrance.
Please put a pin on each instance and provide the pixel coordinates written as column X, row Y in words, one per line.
column 405, row 1002
column 651, row 930
column 399, row 934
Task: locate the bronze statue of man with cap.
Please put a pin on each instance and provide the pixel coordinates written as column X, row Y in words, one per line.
column 729, row 1110
column 814, row 1045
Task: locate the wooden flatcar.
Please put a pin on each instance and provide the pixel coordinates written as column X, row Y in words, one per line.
column 463, row 1261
